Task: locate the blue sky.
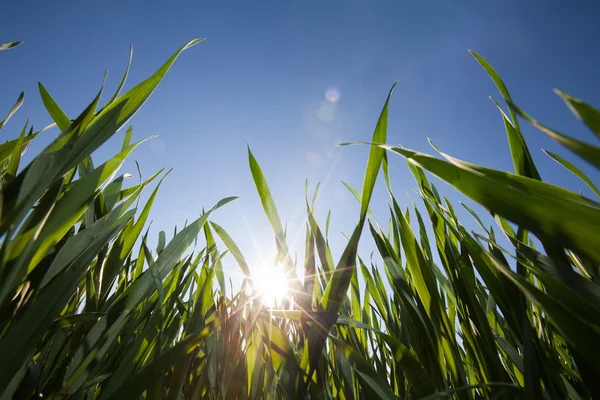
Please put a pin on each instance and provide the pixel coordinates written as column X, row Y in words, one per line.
column 261, row 78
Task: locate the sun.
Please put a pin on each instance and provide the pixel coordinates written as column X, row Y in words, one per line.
column 271, row 284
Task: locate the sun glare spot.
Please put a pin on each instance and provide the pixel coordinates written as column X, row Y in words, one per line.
column 326, row 112
column 313, row 159
column 332, row 95
column 271, row 283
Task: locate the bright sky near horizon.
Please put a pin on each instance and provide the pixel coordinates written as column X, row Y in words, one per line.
column 293, row 79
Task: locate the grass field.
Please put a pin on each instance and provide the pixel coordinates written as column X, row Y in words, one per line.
column 92, row 308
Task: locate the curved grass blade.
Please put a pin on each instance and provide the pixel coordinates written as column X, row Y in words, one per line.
column 56, row 113
column 9, row 45
column 586, row 113
column 233, row 249
column 521, row 156
column 15, row 158
column 338, row 285
column 103, row 333
column 21, row 339
column 576, row 171
column 552, row 212
column 155, row 370
column 273, row 216
column 586, row 151
column 364, row 369
column 13, row 110
column 59, row 157
column 123, row 79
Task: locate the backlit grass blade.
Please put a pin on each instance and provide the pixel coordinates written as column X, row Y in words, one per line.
column 138, row 383
column 273, row 216
column 402, row 355
column 133, row 295
column 579, row 333
column 357, row 196
column 57, row 159
column 588, row 152
column 521, row 156
column 19, row 342
column 321, row 243
column 547, row 210
column 265, row 197
column 338, row 285
column 210, row 241
column 233, row 248
column 79, row 242
column 9, row 45
column 26, row 253
column 13, row 110
column 369, row 377
column 123, row 246
column 15, row 157
column 576, row 171
column 588, row 114
column 56, row 113
column 123, row 79
column 127, row 137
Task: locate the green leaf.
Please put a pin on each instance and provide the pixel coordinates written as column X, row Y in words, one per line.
column 123, row 79
column 233, row 249
column 75, row 319
column 578, row 332
column 338, row 285
column 101, row 335
column 357, row 197
column 375, row 159
column 161, row 242
column 56, row 113
column 127, row 137
column 13, row 110
column 586, row 113
column 522, row 160
column 20, row 340
column 125, row 242
column 576, row 171
column 402, row 355
column 265, row 196
column 9, row 45
column 586, row 151
column 138, row 383
column 367, row 374
column 15, row 158
column 551, row 212
column 58, row 158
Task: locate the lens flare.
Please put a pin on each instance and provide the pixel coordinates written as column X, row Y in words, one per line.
column 326, row 112
column 332, row 95
column 313, row 159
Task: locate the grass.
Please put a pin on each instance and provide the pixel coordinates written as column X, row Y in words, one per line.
column 90, row 310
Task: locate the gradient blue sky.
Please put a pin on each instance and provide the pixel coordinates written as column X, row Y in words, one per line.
column 261, row 78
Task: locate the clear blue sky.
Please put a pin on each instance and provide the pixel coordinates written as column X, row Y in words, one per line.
column 262, row 75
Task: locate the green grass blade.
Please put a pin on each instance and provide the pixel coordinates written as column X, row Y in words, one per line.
column 521, row 156
column 550, row 211
column 586, row 113
column 588, row 152
column 123, row 79
column 155, row 370
column 9, row 45
column 56, row 113
column 13, row 110
column 576, row 171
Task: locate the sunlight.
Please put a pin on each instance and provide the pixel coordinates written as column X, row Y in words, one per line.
column 271, row 283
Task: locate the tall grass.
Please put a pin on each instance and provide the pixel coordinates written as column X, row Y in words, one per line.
column 90, row 309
